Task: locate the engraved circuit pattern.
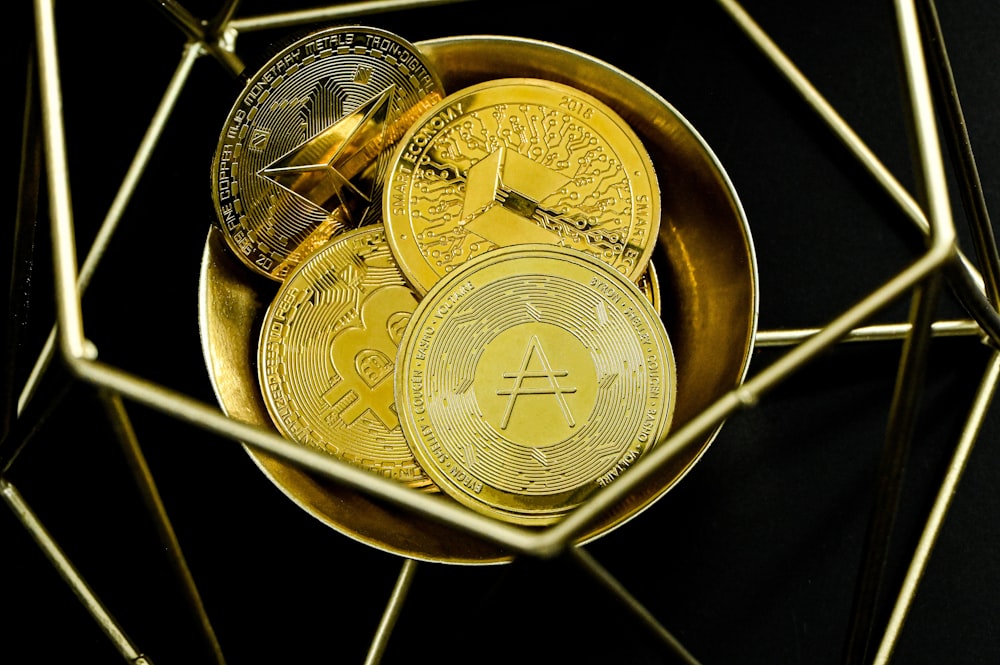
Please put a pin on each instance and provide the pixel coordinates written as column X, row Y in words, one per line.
column 512, row 161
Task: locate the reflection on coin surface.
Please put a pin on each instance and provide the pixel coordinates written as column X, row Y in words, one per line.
column 328, row 351
column 515, row 161
column 303, row 153
column 533, row 375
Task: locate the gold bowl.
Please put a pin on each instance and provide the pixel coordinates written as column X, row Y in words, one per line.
column 706, row 271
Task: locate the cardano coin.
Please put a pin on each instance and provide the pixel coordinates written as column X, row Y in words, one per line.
column 533, row 376
column 513, row 161
column 327, row 355
column 303, row 153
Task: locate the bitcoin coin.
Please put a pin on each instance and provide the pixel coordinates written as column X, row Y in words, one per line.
column 303, row 153
column 533, row 375
column 519, row 160
column 327, row 354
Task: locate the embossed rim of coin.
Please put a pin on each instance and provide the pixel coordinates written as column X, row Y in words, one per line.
column 246, row 142
column 706, row 268
column 557, row 98
column 618, row 334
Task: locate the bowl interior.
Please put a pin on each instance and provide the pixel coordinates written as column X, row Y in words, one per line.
column 704, row 262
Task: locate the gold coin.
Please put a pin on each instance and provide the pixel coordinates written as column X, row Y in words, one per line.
column 327, row 354
column 303, row 153
column 533, row 375
column 513, row 161
column 649, row 285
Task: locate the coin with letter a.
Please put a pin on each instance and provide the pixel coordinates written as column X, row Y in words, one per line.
column 533, row 376
column 327, row 354
column 303, row 153
column 520, row 160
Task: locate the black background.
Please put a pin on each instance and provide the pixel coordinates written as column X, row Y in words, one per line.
column 750, row 559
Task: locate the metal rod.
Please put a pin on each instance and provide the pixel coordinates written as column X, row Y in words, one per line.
column 609, row 582
column 122, row 425
column 545, row 543
column 22, row 247
column 882, row 332
column 330, row 13
column 224, row 16
column 192, row 27
column 939, row 510
column 37, row 373
column 551, row 541
column 52, row 392
column 211, row 419
column 961, row 148
column 962, row 282
column 890, row 473
column 744, row 396
column 973, row 299
column 66, row 570
column 64, row 245
column 930, row 160
column 114, row 215
column 392, row 611
column 74, row 342
column 137, row 167
column 220, row 38
column 902, row 415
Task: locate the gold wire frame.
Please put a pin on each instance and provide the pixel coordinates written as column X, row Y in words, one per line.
column 922, row 279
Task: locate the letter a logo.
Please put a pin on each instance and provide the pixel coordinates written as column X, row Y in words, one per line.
column 546, row 372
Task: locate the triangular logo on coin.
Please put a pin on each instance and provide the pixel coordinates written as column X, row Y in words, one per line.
column 336, row 168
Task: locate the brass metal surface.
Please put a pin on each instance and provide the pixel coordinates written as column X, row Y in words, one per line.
column 327, row 353
column 649, row 284
column 533, row 375
column 519, row 160
column 706, row 269
column 304, row 149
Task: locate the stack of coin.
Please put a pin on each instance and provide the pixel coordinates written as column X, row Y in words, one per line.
column 465, row 299
column 297, row 185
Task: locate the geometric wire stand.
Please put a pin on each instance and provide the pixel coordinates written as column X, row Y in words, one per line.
column 922, row 279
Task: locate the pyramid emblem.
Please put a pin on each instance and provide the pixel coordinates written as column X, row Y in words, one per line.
column 335, row 168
